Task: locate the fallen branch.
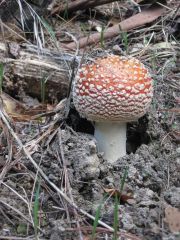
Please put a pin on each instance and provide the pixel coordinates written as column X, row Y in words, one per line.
column 144, row 17
column 79, row 5
column 29, row 66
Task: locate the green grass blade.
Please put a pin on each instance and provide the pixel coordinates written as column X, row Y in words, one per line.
column 102, row 37
column 97, row 216
column 65, row 16
column 124, row 37
column 117, row 202
column 36, row 210
column 49, row 29
column 43, row 89
column 116, row 217
column 125, row 41
column 124, row 179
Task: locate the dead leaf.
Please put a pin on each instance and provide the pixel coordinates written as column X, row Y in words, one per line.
column 11, row 105
column 172, row 217
column 124, row 196
column 19, row 111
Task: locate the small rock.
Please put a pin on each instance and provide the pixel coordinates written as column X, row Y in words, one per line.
column 178, row 150
column 132, row 172
column 52, row 177
column 137, row 47
column 127, row 222
column 178, row 161
column 92, row 147
column 154, row 228
column 109, row 180
column 172, row 196
column 70, row 145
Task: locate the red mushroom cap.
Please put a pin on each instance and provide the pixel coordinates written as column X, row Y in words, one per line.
column 113, row 88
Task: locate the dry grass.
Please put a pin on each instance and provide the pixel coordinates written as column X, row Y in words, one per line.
column 22, row 153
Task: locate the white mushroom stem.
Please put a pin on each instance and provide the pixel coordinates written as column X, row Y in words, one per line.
column 111, row 139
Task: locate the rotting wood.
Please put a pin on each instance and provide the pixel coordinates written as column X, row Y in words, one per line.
column 144, row 17
column 26, row 66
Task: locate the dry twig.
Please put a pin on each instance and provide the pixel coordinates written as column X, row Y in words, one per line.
column 144, row 17
column 81, row 5
column 62, row 194
column 27, row 154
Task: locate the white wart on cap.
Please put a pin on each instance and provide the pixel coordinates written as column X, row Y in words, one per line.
column 112, row 89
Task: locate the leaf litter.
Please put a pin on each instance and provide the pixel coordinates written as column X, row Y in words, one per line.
column 72, row 172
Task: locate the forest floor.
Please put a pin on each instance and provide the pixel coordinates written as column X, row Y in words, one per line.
column 53, row 180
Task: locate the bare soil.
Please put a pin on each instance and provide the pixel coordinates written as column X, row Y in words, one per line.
column 68, row 156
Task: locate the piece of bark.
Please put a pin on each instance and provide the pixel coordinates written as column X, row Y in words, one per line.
column 142, row 18
column 26, row 67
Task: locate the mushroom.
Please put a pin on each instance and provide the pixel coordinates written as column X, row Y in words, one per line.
column 112, row 91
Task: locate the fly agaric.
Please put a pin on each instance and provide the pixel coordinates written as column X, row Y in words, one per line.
column 112, row 91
